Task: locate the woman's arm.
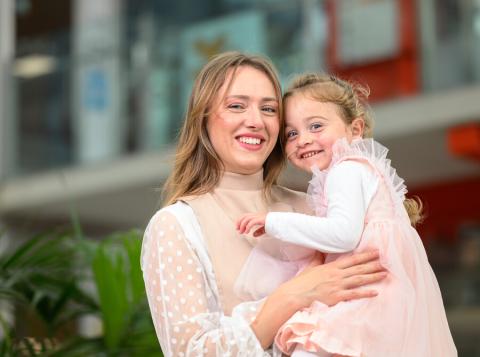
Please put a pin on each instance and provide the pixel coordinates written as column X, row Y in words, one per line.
column 185, row 310
column 188, row 318
column 329, row 283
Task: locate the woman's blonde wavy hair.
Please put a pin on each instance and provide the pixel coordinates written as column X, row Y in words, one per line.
column 197, row 168
column 352, row 102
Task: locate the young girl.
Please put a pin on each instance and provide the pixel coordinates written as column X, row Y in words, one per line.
column 360, row 204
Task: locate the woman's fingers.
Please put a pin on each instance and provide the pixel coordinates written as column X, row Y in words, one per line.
column 365, row 268
column 357, row 258
column 347, row 295
column 362, row 280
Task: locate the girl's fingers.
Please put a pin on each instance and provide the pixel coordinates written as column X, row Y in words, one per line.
column 253, row 222
column 259, row 232
column 240, row 224
column 248, row 227
column 244, row 223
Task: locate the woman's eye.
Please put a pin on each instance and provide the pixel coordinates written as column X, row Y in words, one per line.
column 269, row 110
column 291, row 134
column 236, row 106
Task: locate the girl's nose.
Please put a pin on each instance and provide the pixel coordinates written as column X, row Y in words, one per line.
column 304, row 139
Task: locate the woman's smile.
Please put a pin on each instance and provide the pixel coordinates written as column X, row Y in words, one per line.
column 244, row 125
column 251, row 142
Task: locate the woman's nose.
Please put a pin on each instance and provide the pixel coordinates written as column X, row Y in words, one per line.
column 254, row 119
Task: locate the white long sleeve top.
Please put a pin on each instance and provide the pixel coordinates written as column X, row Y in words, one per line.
column 349, row 189
column 191, row 257
column 183, row 294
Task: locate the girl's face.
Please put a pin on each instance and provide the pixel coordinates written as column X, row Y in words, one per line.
column 312, row 127
column 243, row 127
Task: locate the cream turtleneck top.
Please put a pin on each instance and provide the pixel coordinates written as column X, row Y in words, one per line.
column 191, row 258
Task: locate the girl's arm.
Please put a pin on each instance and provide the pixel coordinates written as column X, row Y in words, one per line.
column 349, row 188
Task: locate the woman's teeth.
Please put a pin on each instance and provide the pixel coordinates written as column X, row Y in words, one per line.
column 310, row 154
column 251, row 141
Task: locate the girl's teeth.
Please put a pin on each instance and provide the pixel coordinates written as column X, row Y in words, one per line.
column 310, row 154
column 251, row 141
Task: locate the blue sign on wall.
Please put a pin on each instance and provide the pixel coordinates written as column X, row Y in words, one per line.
column 95, row 90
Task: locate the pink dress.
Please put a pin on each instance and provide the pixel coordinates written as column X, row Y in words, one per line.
column 407, row 318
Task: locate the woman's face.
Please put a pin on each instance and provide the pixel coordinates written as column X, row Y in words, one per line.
column 243, row 127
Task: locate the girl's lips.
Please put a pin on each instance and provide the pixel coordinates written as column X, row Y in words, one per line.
column 309, row 154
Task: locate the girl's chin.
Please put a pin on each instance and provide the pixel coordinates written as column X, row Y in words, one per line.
column 307, row 165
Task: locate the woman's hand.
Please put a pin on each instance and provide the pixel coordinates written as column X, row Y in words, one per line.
column 329, row 283
column 337, row 281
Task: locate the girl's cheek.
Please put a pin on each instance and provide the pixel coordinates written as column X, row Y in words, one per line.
column 289, row 150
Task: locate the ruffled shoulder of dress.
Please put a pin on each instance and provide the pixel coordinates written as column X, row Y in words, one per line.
column 315, row 194
column 366, row 150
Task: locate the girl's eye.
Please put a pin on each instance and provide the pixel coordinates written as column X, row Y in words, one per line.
column 291, row 134
column 315, row 126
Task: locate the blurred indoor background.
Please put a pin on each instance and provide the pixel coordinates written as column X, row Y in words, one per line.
column 92, row 93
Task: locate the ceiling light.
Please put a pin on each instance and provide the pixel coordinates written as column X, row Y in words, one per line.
column 34, row 66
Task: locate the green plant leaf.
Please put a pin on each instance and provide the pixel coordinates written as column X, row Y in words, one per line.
column 112, row 292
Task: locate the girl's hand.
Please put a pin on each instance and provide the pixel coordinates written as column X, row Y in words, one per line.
column 250, row 220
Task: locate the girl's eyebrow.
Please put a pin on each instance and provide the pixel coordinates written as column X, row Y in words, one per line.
column 305, row 120
column 314, row 117
column 289, row 126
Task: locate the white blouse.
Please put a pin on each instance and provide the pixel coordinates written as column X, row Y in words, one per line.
column 183, row 294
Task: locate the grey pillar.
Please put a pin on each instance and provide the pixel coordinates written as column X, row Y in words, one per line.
column 7, row 50
column 314, row 36
column 428, row 43
column 99, row 80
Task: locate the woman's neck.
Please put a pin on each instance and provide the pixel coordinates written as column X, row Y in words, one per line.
column 234, row 181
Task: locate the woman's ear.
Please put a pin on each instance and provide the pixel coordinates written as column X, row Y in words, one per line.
column 358, row 127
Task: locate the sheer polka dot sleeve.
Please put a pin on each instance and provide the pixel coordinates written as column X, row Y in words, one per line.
column 183, row 301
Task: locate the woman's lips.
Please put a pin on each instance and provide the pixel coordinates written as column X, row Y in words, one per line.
column 251, row 143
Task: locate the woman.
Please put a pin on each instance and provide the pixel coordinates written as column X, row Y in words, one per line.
column 227, row 162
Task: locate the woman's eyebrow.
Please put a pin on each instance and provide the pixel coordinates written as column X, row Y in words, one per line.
column 237, row 96
column 246, row 97
column 269, row 99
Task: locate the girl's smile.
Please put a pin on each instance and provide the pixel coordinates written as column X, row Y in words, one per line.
column 312, row 127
